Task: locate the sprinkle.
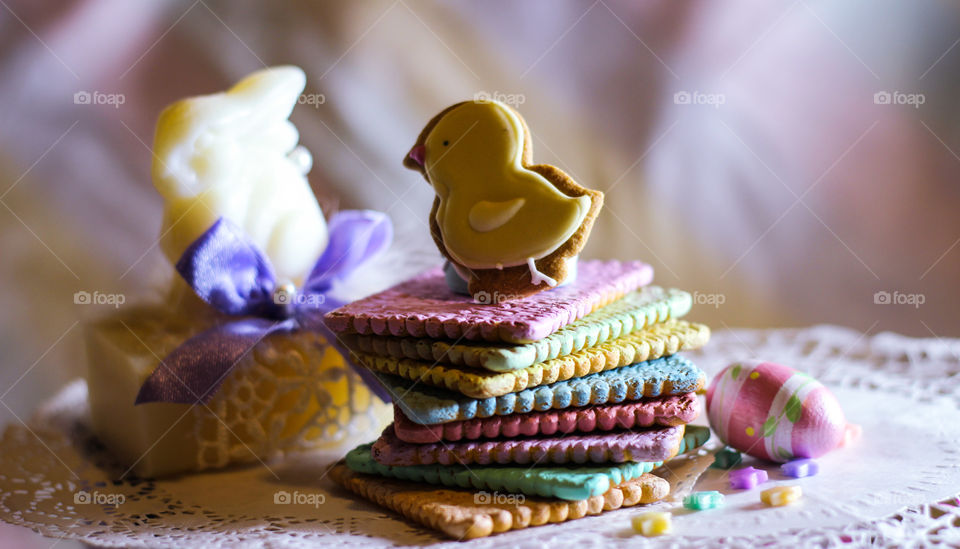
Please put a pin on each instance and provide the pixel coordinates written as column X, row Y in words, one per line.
column 747, row 478
column 726, row 458
column 800, row 468
column 653, row 523
column 754, row 375
column 781, row 495
column 750, row 431
column 701, row 501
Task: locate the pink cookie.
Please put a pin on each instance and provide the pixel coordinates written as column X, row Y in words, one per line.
column 652, row 445
column 425, row 307
column 663, row 411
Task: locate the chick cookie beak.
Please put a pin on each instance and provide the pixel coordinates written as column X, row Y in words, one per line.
column 417, row 154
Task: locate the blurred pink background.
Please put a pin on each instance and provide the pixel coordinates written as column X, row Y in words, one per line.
column 785, row 161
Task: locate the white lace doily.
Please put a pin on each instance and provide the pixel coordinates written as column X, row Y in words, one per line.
column 896, row 487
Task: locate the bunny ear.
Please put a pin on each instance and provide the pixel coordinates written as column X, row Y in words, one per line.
column 227, row 270
column 282, row 81
column 356, row 236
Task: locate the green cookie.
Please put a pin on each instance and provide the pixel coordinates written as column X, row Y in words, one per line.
column 635, row 311
column 571, row 483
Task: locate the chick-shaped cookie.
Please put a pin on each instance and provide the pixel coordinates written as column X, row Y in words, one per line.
column 509, row 227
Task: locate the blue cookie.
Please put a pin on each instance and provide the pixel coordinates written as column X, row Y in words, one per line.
column 426, row 405
column 573, row 483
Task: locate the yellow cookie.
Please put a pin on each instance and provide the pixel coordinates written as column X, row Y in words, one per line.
column 650, row 343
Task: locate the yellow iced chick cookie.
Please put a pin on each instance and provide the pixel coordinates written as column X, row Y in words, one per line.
column 473, row 159
column 507, row 226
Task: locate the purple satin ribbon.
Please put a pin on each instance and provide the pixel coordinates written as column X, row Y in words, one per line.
column 230, row 273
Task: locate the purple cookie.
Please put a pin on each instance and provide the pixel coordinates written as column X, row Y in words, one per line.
column 663, row 411
column 425, row 307
column 650, row 445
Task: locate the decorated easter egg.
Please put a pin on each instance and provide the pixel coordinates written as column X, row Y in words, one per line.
column 774, row 412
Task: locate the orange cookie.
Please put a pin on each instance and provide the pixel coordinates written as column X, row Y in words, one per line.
column 511, row 228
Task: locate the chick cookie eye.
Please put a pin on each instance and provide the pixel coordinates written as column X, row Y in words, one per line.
column 445, row 142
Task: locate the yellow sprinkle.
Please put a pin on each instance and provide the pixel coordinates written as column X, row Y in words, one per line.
column 781, row 495
column 750, row 431
column 653, row 523
column 754, row 375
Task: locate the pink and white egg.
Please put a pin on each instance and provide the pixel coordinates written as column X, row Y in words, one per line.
column 773, row 412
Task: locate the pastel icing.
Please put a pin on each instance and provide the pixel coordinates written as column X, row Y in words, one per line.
column 664, row 411
column 634, row 311
column 493, row 212
column 569, row 483
column 774, row 412
column 425, row 307
column 653, row 342
column 572, row 483
column 673, row 375
column 658, row 444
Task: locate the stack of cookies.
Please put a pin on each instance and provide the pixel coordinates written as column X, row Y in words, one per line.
column 531, row 411
column 529, row 386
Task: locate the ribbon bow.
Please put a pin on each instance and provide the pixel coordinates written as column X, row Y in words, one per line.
column 231, row 274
